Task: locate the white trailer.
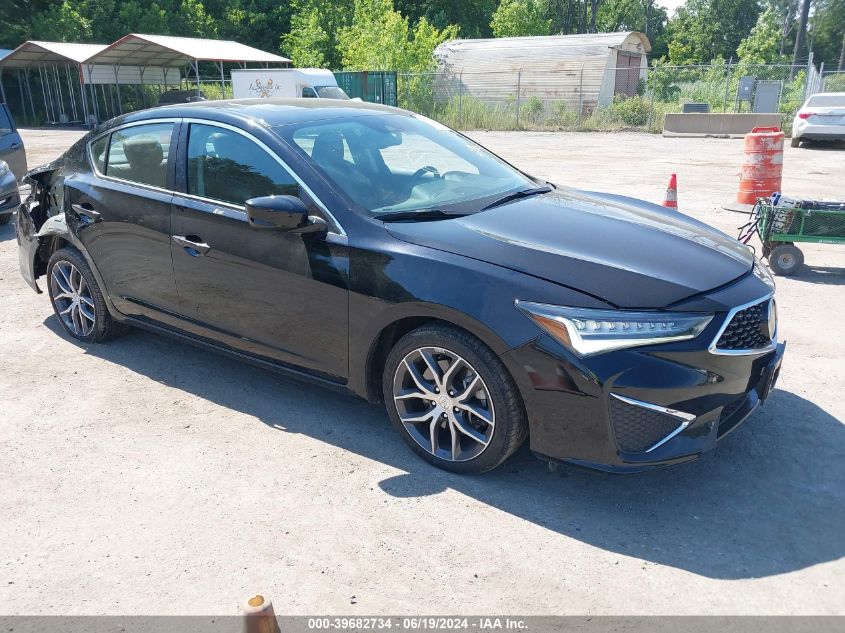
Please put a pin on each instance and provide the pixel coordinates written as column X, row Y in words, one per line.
column 266, row 83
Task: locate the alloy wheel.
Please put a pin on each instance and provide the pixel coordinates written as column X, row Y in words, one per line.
column 444, row 404
column 72, row 298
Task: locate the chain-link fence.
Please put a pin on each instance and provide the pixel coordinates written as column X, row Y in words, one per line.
column 590, row 97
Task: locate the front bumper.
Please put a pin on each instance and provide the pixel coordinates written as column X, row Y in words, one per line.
column 639, row 409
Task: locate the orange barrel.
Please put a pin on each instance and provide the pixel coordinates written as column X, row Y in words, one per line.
column 762, row 166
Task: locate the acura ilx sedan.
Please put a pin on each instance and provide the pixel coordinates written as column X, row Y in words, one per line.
column 377, row 252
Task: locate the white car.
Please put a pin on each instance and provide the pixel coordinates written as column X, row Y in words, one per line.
column 821, row 118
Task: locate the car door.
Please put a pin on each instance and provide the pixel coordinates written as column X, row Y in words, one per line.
column 120, row 210
column 11, row 146
column 275, row 294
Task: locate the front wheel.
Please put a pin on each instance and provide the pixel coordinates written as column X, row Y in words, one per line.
column 795, row 142
column 452, row 400
column 785, row 260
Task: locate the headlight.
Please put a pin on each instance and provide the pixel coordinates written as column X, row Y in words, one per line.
column 762, row 272
column 4, row 168
column 587, row 332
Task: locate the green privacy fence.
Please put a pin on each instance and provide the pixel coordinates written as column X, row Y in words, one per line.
column 368, row 85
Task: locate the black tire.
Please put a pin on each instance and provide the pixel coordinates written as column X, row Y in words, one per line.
column 785, row 260
column 795, row 142
column 5, row 218
column 511, row 425
column 105, row 326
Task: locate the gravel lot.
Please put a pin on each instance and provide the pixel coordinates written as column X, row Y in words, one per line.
column 149, row 477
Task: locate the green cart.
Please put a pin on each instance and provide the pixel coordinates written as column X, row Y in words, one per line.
column 783, row 222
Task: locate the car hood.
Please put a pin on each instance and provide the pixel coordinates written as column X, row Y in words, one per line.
column 629, row 253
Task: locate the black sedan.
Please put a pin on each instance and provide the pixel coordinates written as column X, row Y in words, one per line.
column 375, row 251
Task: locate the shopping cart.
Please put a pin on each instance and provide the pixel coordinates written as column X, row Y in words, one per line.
column 782, row 222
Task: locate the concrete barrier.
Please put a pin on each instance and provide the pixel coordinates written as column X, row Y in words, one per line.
column 714, row 124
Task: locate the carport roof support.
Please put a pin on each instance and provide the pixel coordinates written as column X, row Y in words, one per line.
column 34, row 53
column 164, row 50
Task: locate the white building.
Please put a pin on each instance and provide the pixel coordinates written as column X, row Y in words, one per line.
column 580, row 70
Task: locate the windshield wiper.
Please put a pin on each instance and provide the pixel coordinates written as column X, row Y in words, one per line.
column 516, row 195
column 419, row 214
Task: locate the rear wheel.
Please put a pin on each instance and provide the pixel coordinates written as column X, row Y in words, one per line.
column 452, row 400
column 785, row 260
column 795, row 142
column 78, row 300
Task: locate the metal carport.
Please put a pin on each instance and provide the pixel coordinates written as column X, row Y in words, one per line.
column 166, row 52
column 58, row 66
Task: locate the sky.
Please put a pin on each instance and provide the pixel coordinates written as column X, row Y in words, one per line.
column 670, row 5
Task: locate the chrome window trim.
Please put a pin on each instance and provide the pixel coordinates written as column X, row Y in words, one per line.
column 175, row 120
column 743, row 352
column 340, row 230
column 685, row 418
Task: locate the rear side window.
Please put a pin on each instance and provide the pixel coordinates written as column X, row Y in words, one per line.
column 224, row 165
column 139, row 153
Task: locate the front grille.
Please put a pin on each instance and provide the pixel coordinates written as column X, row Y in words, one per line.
column 637, row 428
column 747, row 329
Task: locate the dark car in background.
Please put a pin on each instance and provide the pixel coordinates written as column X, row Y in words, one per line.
column 374, row 251
column 11, row 145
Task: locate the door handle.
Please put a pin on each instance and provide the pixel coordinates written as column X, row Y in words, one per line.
column 194, row 247
column 86, row 213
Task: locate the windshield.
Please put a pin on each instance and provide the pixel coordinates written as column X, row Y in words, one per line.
column 396, row 163
column 330, row 92
column 827, row 101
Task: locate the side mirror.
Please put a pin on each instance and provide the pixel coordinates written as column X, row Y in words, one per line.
column 277, row 212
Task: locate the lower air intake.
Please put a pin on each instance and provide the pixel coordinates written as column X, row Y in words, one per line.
column 639, row 428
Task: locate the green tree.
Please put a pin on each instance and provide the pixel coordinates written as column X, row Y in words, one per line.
column 312, row 39
column 62, row 22
column 827, row 32
column 762, row 46
column 703, row 30
column 472, row 17
column 380, row 38
column 520, row 17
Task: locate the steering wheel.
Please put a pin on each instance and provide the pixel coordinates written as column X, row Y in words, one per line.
column 422, row 171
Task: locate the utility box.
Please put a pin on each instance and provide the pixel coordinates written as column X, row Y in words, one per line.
column 767, row 96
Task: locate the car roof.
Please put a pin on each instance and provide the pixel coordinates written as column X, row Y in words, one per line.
column 267, row 112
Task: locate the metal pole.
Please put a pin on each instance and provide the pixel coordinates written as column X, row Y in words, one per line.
column 650, row 85
column 461, row 99
column 85, row 116
column 222, row 82
column 117, row 86
column 810, row 68
column 72, row 94
column 580, row 96
column 29, row 93
column 20, row 87
column 197, row 74
column 141, row 69
column 59, row 92
column 43, row 93
column 518, row 90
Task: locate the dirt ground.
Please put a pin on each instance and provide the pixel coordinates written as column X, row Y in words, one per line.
column 148, row 477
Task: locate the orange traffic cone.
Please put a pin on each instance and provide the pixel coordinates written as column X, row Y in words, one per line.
column 671, row 199
column 259, row 616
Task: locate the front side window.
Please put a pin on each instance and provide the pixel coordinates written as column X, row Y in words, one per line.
column 395, row 163
column 226, row 166
column 139, row 153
